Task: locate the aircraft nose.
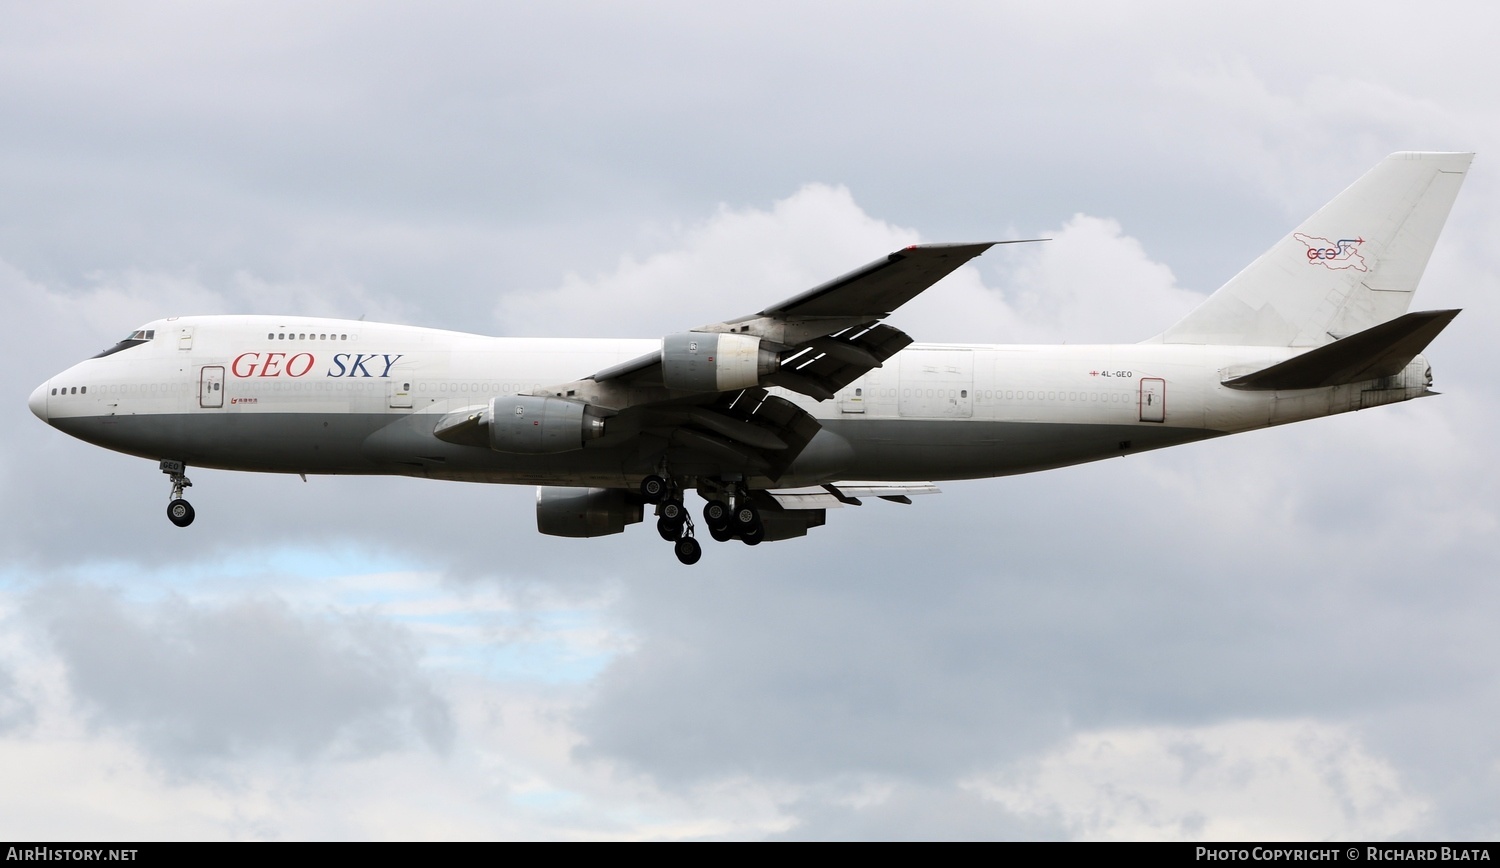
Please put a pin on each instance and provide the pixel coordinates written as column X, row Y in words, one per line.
column 38, row 402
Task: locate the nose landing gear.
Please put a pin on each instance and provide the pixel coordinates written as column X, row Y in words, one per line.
column 179, row 511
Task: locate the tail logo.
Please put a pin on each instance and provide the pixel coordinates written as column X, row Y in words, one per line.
column 1343, row 253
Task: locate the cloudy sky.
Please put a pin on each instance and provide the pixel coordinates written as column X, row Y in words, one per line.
column 1286, row 634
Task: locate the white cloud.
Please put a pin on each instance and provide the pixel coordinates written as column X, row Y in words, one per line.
column 1256, row 780
column 1091, row 283
column 735, row 262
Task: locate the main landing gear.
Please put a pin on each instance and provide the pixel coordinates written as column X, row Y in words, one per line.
column 725, row 522
column 179, row 511
column 672, row 521
column 741, row 521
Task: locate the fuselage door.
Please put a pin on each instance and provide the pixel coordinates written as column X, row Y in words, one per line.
column 399, row 390
column 211, row 386
column 1153, row 400
column 937, row 384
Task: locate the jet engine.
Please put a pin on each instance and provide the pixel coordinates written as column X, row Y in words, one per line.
column 584, row 512
column 708, row 362
column 537, row 425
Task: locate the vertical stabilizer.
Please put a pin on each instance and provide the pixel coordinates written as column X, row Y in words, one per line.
column 1353, row 265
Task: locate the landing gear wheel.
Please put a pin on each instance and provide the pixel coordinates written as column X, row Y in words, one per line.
column 180, row 512
column 670, row 530
column 747, row 524
column 673, row 509
column 653, row 488
column 688, row 550
column 716, row 514
column 722, row 534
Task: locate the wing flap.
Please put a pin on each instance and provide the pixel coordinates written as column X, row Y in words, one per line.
column 838, row 494
column 749, row 430
column 789, row 423
column 828, row 364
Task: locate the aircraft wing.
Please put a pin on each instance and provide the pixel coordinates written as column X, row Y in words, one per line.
column 830, row 335
column 873, row 291
column 700, row 403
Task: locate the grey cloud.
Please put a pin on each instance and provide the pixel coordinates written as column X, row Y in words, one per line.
column 927, row 642
column 199, row 683
column 16, row 710
column 327, row 145
column 424, row 166
column 911, row 813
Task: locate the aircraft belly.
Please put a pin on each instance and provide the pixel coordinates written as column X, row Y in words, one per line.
column 406, row 445
column 270, row 442
column 381, row 443
column 355, row 444
column 906, row 450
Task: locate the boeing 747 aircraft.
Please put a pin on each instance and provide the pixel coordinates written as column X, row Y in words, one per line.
column 776, row 417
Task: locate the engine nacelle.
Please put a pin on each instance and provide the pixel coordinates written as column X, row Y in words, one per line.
column 536, row 425
column 584, row 512
column 707, row 362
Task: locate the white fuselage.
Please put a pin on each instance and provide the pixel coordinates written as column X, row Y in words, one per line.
column 306, row 395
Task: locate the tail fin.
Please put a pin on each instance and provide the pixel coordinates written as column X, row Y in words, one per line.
column 1353, row 265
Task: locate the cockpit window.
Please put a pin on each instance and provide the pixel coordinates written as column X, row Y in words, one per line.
column 139, row 336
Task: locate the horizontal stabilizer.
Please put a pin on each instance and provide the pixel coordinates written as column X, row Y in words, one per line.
column 1381, row 351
